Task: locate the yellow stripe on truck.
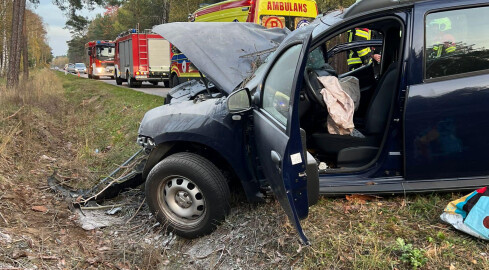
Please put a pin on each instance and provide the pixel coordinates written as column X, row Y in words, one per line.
column 226, row 15
column 293, row 8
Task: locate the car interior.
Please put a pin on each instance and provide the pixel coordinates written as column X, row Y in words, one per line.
column 378, row 83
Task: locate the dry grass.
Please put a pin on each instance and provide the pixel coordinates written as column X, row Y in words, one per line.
column 29, row 114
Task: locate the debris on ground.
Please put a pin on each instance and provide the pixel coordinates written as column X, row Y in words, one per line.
column 93, row 219
column 470, row 214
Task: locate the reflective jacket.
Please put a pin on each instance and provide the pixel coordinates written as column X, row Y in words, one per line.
column 361, row 56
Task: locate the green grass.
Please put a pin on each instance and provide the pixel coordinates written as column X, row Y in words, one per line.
column 396, row 232
column 102, row 117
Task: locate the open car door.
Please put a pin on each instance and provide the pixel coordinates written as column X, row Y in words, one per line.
column 277, row 133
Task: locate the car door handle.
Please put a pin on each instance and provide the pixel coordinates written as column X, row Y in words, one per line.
column 276, row 158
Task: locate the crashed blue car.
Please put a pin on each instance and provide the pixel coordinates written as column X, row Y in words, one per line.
column 258, row 119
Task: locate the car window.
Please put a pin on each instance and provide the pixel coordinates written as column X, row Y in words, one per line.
column 278, row 84
column 456, row 42
column 348, row 60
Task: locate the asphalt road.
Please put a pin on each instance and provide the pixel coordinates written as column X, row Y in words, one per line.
column 147, row 87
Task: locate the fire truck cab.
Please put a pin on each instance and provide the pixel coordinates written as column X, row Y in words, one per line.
column 142, row 56
column 100, row 58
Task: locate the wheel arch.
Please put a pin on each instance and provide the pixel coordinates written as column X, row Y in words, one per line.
column 233, row 174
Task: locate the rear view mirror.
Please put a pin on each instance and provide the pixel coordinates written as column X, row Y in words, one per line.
column 239, row 101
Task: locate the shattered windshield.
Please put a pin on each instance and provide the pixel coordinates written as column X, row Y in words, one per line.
column 252, row 81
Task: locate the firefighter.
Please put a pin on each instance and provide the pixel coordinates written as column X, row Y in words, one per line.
column 362, row 56
column 440, row 41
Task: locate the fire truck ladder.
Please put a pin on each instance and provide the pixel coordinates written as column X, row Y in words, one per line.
column 143, row 51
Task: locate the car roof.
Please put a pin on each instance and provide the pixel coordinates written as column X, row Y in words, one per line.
column 368, row 6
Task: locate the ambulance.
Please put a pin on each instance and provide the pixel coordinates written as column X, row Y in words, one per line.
column 291, row 14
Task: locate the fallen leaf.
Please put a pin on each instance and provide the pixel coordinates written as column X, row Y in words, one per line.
column 360, row 198
column 18, row 254
column 92, row 260
column 40, row 208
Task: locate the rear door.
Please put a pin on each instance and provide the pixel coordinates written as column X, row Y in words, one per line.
column 159, row 54
column 277, row 133
column 446, row 121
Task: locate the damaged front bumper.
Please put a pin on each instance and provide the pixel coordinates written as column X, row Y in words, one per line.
column 146, row 142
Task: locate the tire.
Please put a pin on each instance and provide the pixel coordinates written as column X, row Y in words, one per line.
column 154, row 83
column 203, row 194
column 174, row 81
column 118, row 79
column 112, row 77
column 131, row 82
column 166, row 83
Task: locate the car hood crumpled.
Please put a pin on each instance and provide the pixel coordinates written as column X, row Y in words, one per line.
column 226, row 53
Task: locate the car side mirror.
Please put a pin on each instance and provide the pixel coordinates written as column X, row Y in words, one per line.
column 256, row 99
column 239, row 101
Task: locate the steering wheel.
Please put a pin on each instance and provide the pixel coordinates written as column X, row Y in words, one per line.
column 314, row 86
column 314, row 92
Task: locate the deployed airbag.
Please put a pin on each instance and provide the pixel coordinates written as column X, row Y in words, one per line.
column 339, row 104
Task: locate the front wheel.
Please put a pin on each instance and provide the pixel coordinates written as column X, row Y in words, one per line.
column 174, row 81
column 188, row 193
column 118, row 80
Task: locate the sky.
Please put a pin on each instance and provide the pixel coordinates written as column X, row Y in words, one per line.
column 55, row 22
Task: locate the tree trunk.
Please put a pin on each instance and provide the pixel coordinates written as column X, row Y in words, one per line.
column 18, row 12
column 166, row 11
column 25, row 54
column 5, row 57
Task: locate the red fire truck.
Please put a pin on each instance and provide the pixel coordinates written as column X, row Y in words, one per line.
column 100, row 58
column 142, row 56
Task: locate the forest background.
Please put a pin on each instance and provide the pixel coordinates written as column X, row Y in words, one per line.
column 119, row 16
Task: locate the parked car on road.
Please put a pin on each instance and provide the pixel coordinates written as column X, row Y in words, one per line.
column 71, row 68
column 421, row 122
column 81, row 68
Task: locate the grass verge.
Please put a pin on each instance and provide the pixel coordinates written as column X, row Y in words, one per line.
column 58, row 122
